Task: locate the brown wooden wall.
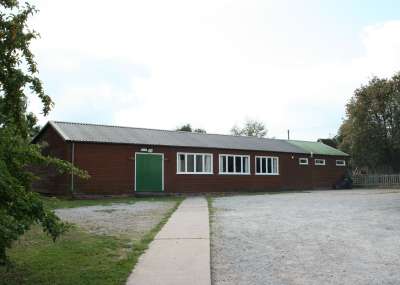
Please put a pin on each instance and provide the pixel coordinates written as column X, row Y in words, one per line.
column 51, row 181
column 111, row 167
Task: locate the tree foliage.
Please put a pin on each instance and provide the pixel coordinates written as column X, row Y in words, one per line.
column 19, row 207
column 371, row 129
column 333, row 142
column 200, row 131
column 188, row 128
column 185, row 128
column 251, row 128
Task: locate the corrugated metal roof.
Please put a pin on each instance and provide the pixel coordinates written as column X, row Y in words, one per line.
column 80, row 132
column 317, row 148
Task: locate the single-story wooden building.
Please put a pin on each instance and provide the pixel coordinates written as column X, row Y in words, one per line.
column 124, row 160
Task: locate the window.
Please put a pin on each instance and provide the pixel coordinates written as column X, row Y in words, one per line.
column 199, row 163
column 231, row 163
column 208, row 163
column 303, row 161
column 190, row 163
column 194, row 163
column 318, row 161
column 340, row 162
column 181, row 163
column 234, row 164
column 238, row 164
column 267, row 165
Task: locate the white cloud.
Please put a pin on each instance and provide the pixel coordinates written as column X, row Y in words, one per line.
column 211, row 63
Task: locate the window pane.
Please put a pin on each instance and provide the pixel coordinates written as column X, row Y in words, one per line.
column 230, row 164
column 269, row 165
column 303, row 161
column 225, row 165
column 238, row 164
column 258, row 165
column 275, row 166
column 263, row 165
column 222, row 164
column 340, row 162
column 190, row 163
column 245, row 165
column 199, row 163
column 181, row 163
column 207, row 163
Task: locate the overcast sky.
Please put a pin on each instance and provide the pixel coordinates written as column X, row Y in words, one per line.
column 160, row 64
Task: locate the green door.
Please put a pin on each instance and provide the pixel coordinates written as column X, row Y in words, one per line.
column 149, row 172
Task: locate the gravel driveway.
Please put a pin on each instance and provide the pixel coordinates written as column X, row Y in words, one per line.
column 324, row 237
column 131, row 221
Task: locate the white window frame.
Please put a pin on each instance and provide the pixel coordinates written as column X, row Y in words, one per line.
column 323, row 161
column 340, row 162
column 303, row 163
column 194, row 153
column 234, row 164
column 266, row 157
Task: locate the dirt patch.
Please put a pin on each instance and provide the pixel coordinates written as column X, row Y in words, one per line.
column 122, row 220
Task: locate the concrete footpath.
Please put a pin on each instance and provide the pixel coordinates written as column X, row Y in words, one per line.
column 180, row 253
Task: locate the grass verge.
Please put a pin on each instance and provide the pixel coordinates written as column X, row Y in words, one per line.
column 57, row 203
column 211, row 212
column 77, row 257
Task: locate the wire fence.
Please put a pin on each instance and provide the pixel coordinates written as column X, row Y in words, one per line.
column 384, row 180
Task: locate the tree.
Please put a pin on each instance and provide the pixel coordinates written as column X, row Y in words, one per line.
column 200, row 131
column 344, row 136
column 251, row 128
column 32, row 123
column 188, row 128
column 185, row 128
column 330, row 141
column 19, row 207
column 371, row 129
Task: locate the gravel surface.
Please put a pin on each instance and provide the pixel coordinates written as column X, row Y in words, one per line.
column 324, row 237
column 124, row 220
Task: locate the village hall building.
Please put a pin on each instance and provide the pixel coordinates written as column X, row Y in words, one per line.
column 125, row 160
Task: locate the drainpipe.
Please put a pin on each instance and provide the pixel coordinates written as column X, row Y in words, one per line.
column 312, row 167
column 72, row 162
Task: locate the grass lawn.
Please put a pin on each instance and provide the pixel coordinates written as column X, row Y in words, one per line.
column 77, row 257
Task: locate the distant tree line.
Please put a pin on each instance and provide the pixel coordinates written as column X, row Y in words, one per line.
column 250, row 128
column 188, row 128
